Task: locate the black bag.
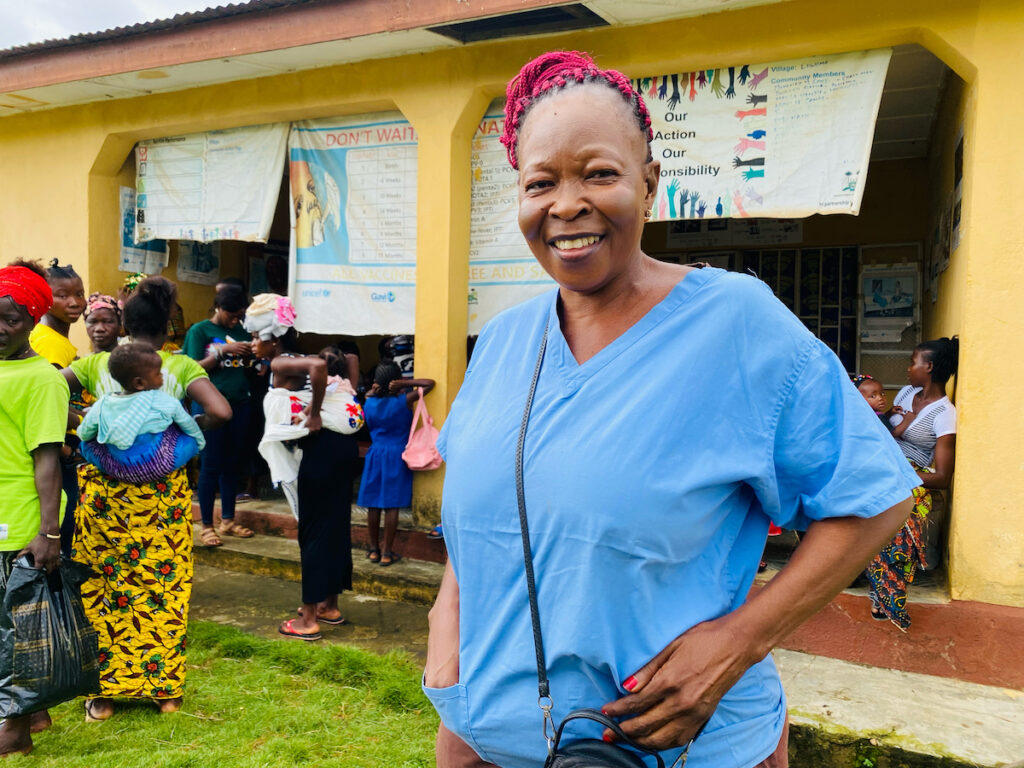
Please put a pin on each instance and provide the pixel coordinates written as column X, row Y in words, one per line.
column 584, row 753
column 48, row 648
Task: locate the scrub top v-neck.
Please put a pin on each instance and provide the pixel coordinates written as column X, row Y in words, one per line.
column 651, row 473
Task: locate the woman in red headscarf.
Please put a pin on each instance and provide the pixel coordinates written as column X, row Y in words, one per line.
column 33, row 417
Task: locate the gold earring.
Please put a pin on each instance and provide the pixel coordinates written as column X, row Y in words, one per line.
column 647, row 214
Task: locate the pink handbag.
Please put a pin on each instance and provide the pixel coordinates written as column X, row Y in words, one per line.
column 421, row 451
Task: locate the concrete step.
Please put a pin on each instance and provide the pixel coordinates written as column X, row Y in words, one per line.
column 948, row 638
column 845, row 714
column 409, row 580
column 272, row 517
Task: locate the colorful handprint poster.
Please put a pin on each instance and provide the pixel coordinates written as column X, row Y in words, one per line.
column 502, row 270
column 776, row 140
column 353, row 220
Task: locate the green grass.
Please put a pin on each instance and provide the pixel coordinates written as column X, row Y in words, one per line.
column 255, row 702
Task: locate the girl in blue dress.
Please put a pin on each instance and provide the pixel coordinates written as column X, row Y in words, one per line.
column 387, row 481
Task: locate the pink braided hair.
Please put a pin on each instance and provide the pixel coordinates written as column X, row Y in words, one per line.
column 555, row 70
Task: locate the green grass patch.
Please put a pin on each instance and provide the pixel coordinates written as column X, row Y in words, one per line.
column 254, row 702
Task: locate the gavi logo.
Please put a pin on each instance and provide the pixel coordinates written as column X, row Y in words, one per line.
column 383, row 297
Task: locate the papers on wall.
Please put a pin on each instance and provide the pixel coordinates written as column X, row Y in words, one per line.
column 149, row 257
column 198, row 262
column 219, row 185
column 353, row 217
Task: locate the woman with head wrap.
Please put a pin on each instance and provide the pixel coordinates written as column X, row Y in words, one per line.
column 33, row 418
column 102, row 321
column 138, row 536
column 645, row 526
column 322, row 488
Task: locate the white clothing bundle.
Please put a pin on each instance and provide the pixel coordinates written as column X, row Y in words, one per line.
column 340, row 413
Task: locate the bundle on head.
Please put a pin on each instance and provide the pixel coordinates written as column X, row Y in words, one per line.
column 550, row 73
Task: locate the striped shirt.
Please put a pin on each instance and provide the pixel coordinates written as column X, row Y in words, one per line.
column 935, row 420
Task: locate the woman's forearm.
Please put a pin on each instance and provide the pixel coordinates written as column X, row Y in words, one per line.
column 318, row 383
column 830, row 555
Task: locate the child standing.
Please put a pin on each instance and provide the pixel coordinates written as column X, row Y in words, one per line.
column 33, row 418
column 387, row 481
column 119, row 419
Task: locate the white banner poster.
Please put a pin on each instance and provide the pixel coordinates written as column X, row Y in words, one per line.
column 149, row 257
column 353, row 215
column 221, row 185
column 502, row 270
column 780, row 140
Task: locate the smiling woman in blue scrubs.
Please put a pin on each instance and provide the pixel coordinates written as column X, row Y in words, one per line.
column 677, row 412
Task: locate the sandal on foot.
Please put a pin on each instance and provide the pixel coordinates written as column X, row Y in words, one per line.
column 373, row 555
column 209, row 538
column 90, row 712
column 335, row 622
column 389, row 558
column 287, row 630
column 231, row 528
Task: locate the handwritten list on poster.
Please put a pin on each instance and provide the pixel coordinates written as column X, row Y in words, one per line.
column 502, row 270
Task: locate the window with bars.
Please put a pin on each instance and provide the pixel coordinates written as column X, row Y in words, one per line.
column 819, row 285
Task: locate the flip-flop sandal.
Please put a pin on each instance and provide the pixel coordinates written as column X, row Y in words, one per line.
column 393, row 557
column 243, row 497
column 321, row 620
column 373, row 555
column 286, row 630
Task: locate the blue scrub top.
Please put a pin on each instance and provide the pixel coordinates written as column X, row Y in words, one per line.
column 651, row 473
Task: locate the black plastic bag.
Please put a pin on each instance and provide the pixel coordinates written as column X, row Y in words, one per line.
column 48, row 648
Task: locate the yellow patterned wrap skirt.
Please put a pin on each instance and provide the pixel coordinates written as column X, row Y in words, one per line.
column 138, row 539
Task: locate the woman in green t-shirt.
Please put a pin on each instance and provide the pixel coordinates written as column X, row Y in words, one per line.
column 139, row 537
column 221, row 346
column 33, row 416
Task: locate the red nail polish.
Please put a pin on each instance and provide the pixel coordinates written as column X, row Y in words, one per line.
column 630, row 683
column 604, row 711
column 607, row 738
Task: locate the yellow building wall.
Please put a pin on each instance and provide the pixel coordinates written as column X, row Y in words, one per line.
column 59, row 172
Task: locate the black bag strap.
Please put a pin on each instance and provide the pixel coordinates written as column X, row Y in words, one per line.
column 543, row 689
column 544, row 700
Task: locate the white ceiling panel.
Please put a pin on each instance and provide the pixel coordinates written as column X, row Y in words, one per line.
column 645, row 11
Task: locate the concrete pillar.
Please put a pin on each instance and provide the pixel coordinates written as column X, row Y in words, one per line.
column 442, row 255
